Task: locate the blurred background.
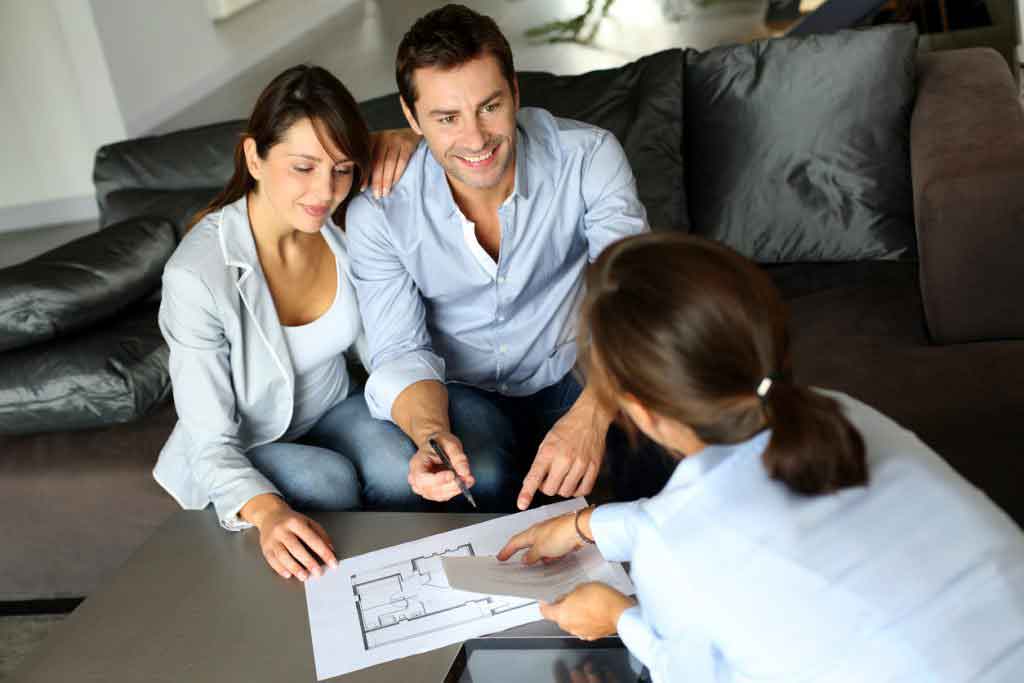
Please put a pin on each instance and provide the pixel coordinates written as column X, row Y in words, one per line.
column 77, row 74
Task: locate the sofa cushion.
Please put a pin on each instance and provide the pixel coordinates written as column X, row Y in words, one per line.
column 177, row 206
column 105, row 375
column 82, row 282
column 196, row 158
column 798, row 149
column 641, row 103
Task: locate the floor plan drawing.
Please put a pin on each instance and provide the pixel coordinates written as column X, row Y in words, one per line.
column 412, row 598
column 397, row 601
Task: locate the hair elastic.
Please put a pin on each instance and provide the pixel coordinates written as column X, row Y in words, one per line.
column 764, row 387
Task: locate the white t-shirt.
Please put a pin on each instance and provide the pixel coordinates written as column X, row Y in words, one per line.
column 317, row 348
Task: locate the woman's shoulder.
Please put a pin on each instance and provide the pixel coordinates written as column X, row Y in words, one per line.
column 200, row 253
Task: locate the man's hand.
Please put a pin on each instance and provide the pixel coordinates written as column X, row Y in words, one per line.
column 428, row 476
column 590, row 611
column 291, row 542
column 390, row 151
column 569, row 458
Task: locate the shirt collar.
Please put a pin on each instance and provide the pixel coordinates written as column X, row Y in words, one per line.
column 440, row 191
column 695, row 466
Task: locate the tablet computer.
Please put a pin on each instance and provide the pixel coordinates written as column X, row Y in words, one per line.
column 544, row 660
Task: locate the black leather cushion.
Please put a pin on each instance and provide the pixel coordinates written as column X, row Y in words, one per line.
column 108, row 374
column 178, row 206
column 641, row 103
column 193, row 159
column 82, row 282
column 798, row 149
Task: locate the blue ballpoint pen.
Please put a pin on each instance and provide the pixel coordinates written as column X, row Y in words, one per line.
column 448, row 463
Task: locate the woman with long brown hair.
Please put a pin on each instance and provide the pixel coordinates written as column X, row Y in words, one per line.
column 258, row 310
column 803, row 536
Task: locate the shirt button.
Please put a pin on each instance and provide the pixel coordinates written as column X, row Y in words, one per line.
column 502, row 349
column 504, row 387
column 501, row 318
column 503, row 279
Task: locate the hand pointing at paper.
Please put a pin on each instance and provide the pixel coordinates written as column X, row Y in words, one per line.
column 549, row 539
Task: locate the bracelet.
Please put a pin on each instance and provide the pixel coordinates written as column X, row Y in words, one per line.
column 579, row 532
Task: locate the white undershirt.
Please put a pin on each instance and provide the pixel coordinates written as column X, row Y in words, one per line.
column 317, row 348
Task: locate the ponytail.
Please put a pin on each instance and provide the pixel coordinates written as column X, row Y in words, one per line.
column 813, row 448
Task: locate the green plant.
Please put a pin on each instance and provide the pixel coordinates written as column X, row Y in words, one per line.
column 583, row 27
column 571, row 30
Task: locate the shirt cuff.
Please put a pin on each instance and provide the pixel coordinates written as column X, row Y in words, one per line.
column 637, row 635
column 614, row 529
column 390, row 379
column 228, row 507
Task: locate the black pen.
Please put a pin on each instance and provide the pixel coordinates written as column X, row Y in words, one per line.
column 448, row 463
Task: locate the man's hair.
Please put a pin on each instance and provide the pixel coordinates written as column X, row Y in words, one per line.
column 446, row 38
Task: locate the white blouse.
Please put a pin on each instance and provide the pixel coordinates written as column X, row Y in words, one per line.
column 915, row 577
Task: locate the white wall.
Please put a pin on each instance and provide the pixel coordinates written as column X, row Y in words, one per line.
column 165, row 55
column 57, row 108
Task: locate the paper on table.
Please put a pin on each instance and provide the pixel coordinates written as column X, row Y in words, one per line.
column 546, row 582
column 396, row 601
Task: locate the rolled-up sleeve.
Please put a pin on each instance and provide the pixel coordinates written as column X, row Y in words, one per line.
column 614, row 526
column 612, row 209
column 200, row 369
column 394, row 316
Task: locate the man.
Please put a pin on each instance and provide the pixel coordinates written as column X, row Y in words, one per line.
column 470, row 272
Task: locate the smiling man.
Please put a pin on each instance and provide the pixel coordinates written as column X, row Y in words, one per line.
column 469, row 273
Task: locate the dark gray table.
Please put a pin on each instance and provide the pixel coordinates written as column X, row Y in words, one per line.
column 199, row 604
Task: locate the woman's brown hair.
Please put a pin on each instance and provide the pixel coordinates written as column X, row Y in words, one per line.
column 691, row 328
column 301, row 92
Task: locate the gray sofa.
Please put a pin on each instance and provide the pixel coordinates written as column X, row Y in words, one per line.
column 932, row 335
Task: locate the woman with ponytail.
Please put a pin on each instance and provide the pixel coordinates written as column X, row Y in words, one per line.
column 258, row 310
column 803, row 536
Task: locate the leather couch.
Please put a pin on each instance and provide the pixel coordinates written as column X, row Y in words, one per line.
column 932, row 335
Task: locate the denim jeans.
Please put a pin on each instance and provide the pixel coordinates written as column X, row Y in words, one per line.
column 346, row 461
column 501, row 435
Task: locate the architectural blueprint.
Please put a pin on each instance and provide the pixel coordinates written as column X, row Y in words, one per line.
column 395, row 602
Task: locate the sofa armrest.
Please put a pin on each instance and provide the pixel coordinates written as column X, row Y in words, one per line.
column 967, row 163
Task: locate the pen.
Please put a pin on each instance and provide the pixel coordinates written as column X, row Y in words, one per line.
column 448, row 463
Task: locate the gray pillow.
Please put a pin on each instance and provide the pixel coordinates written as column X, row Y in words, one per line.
column 112, row 373
column 82, row 282
column 798, row 149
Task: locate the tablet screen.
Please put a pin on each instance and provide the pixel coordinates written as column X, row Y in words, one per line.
column 543, row 660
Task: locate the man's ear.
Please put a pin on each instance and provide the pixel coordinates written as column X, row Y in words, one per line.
column 515, row 91
column 252, row 158
column 410, row 117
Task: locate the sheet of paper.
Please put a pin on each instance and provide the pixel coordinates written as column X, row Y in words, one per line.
column 397, row 601
column 545, row 582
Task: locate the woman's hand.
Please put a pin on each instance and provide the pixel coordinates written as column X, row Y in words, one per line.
column 390, row 151
column 549, row 539
column 287, row 538
column 590, row 611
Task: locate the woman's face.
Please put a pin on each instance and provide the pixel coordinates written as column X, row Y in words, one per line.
column 300, row 183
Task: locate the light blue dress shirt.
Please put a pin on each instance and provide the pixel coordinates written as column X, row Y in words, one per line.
column 916, row 577
column 434, row 309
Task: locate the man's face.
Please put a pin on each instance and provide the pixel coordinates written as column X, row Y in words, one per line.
column 468, row 117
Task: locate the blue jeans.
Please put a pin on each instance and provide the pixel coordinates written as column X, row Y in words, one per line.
column 348, row 460
column 501, row 435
